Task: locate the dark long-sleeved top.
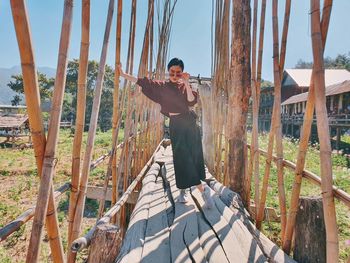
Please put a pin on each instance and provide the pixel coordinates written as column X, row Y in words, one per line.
column 168, row 94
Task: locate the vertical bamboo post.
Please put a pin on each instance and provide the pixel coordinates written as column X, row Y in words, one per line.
column 92, row 132
column 31, row 91
column 253, row 159
column 80, row 119
column 277, row 128
column 52, row 139
column 304, row 139
column 116, row 108
column 323, row 134
column 116, row 118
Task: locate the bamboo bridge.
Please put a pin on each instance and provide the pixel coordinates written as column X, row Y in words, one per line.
column 156, row 228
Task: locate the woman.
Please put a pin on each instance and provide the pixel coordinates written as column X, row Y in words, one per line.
column 175, row 96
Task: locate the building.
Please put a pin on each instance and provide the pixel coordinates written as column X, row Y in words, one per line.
column 337, row 102
column 14, row 122
column 296, row 81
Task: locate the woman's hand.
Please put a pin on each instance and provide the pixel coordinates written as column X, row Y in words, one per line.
column 124, row 75
column 185, row 76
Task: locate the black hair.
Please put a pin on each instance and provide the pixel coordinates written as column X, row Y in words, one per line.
column 176, row 62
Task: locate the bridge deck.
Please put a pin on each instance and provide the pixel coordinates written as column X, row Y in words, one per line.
column 163, row 230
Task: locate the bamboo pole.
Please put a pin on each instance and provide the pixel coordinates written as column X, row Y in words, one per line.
column 278, row 128
column 92, row 132
column 31, row 90
column 80, row 119
column 272, row 133
column 323, row 134
column 116, row 108
column 116, row 119
column 253, row 160
column 45, row 189
column 304, row 139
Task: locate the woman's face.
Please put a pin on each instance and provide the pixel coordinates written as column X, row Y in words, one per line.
column 175, row 73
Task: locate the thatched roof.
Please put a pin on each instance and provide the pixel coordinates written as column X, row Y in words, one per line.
column 335, row 89
column 12, row 120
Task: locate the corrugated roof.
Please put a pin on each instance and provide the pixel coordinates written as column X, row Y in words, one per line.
column 12, row 120
column 332, row 76
column 330, row 90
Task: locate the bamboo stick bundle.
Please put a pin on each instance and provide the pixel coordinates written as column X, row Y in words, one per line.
column 272, row 134
column 304, row 139
column 323, row 133
column 92, row 132
column 31, row 91
column 80, row 119
column 45, row 189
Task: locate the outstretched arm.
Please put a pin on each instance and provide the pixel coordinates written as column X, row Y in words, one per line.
column 125, row 75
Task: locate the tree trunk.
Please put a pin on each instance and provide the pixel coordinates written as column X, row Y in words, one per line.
column 105, row 244
column 239, row 93
column 310, row 231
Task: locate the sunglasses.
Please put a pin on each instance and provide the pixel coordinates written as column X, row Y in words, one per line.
column 173, row 74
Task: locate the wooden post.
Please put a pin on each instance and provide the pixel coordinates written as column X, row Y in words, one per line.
column 239, row 93
column 105, row 244
column 80, row 119
column 323, row 133
column 310, row 232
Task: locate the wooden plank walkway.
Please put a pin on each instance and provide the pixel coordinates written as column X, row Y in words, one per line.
column 164, row 230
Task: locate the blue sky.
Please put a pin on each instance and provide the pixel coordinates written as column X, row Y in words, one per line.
column 190, row 39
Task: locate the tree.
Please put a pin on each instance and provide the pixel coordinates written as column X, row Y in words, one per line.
column 70, row 97
column 341, row 61
column 106, row 108
column 45, row 85
column 16, row 100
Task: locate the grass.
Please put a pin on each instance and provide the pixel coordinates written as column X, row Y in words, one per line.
column 19, row 181
column 341, row 178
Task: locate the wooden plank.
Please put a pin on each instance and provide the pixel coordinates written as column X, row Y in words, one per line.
column 96, row 192
column 212, row 248
column 247, row 244
column 232, row 201
column 157, row 241
column 131, row 250
column 229, row 242
column 184, row 241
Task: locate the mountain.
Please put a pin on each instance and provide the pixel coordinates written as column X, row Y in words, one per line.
column 6, row 94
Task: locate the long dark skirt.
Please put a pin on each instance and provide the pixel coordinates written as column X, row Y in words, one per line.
column 187, row 150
